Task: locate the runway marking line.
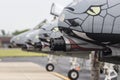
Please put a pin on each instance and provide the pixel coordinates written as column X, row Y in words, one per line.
column 60, row 76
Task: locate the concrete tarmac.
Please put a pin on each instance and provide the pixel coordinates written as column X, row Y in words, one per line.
column 25, row 71
column 62, row 67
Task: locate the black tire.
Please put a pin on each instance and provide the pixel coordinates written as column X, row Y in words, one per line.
column 73, row 74
column 101, row 71
column 106, row 52
column 50, row 67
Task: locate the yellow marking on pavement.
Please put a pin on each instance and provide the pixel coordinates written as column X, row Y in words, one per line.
column 60, row 76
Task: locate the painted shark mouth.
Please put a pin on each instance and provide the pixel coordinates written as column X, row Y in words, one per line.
column 93, row 16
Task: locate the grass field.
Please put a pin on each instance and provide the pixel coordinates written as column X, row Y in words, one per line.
column 18, row 53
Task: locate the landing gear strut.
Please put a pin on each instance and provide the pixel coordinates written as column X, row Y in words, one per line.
column 50, row 67
column 73, row 74
column 110, row 72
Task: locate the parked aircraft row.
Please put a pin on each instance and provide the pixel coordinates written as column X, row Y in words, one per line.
column 81, row 27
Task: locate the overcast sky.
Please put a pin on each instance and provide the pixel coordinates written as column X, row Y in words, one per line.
column 22, row 14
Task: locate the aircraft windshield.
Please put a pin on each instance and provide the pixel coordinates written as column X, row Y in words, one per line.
column 56, row 9
column 75, row 2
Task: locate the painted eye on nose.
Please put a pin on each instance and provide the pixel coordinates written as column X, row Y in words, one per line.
column 70, row 8
column 94, row 11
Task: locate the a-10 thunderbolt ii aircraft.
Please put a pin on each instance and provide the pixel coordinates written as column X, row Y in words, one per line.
column 20, row 40
column 46, row 35
column 93, row 25
column 32, row 41
column 90, row 25
column 40, row 38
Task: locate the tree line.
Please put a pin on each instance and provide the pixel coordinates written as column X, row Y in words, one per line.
column 16, row 32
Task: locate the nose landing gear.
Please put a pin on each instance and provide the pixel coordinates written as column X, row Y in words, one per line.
column 50, row 67
column 73, row 74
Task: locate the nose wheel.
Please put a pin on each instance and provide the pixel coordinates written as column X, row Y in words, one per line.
column 50, row 67
column 73, row 74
